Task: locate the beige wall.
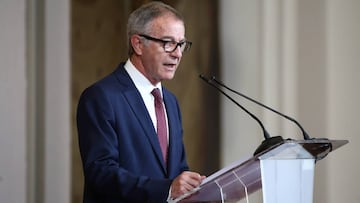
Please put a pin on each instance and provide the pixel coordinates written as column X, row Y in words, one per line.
column 302, row 58
column 12, row 102
column 34, row 104
column 343, row 56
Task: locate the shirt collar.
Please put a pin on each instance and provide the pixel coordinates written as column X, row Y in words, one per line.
column 140, row 81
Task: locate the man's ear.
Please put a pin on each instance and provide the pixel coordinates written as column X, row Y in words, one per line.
column 137, row 44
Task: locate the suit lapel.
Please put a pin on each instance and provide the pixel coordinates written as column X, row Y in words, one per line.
column 137, row 105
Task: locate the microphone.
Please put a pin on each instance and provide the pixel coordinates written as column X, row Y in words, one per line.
column 305, row 135
column 269, row 141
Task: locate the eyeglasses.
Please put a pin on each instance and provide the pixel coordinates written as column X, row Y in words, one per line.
column 170, row 46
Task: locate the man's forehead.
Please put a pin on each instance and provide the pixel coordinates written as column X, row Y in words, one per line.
column 164, row 25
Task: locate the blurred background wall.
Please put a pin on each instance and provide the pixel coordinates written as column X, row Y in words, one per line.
column 300, row 57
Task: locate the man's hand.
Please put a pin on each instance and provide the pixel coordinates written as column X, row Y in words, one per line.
column 184, row 183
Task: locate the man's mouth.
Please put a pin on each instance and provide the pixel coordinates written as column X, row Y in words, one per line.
column 170, row 65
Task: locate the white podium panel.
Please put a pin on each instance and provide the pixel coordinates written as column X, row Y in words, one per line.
column 287, row 180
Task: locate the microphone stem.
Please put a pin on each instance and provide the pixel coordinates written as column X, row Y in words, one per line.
column 210, row 82
column 305, row 135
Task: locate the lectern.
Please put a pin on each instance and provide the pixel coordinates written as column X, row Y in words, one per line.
column 284, row 172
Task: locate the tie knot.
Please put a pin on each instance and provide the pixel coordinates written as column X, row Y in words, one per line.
column 156, row 94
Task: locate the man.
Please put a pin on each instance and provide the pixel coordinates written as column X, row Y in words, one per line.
column 130, row 151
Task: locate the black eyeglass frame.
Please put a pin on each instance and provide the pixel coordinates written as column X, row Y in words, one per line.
column 184, row 46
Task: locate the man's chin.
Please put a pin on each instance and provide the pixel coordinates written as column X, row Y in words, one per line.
column 168, row 76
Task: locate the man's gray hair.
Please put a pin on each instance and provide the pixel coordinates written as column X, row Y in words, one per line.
column 140, row 19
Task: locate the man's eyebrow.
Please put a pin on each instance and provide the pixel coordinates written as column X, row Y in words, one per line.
column 173, row 40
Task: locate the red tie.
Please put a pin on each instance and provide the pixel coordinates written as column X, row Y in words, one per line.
column 161, row 122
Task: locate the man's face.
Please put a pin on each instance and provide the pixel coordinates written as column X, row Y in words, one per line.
column 157, row 64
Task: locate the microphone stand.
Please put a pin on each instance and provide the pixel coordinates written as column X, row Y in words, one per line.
column 269, row 142
column 260, row 148
column 305, row 135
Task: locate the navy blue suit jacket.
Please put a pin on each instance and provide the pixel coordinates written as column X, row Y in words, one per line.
column 119, row 148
